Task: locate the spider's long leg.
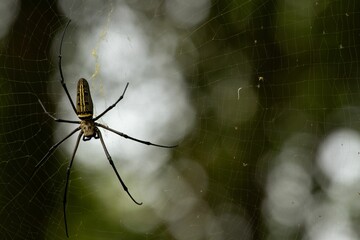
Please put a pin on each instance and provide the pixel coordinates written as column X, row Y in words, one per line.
column 134, row 139
column 63, row 84
column 56, row 119
column 112, row 106
column 68, row 170
column 51, row 150
column 48, row 154
column 113, row 166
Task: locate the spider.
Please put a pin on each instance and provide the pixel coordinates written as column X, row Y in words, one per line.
column 88, row 128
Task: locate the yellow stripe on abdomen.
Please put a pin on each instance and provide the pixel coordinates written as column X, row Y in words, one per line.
column 84, row 104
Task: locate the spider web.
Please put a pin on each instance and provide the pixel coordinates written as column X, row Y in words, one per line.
column 261, row 97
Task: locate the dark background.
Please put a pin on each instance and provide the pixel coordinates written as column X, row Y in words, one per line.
column 303, row 69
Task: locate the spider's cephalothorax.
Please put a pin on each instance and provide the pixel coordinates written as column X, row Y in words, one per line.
column 88, row 128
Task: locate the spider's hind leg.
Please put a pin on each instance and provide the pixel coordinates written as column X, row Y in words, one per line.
column 56, row 119
column 62, row 80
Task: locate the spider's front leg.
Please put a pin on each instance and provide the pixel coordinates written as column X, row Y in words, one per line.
column 68, row 171
column 114, row 168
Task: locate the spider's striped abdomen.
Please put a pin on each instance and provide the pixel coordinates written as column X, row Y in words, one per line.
column 84, row 104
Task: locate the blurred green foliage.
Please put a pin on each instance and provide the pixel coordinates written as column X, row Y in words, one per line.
column 305, row 52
